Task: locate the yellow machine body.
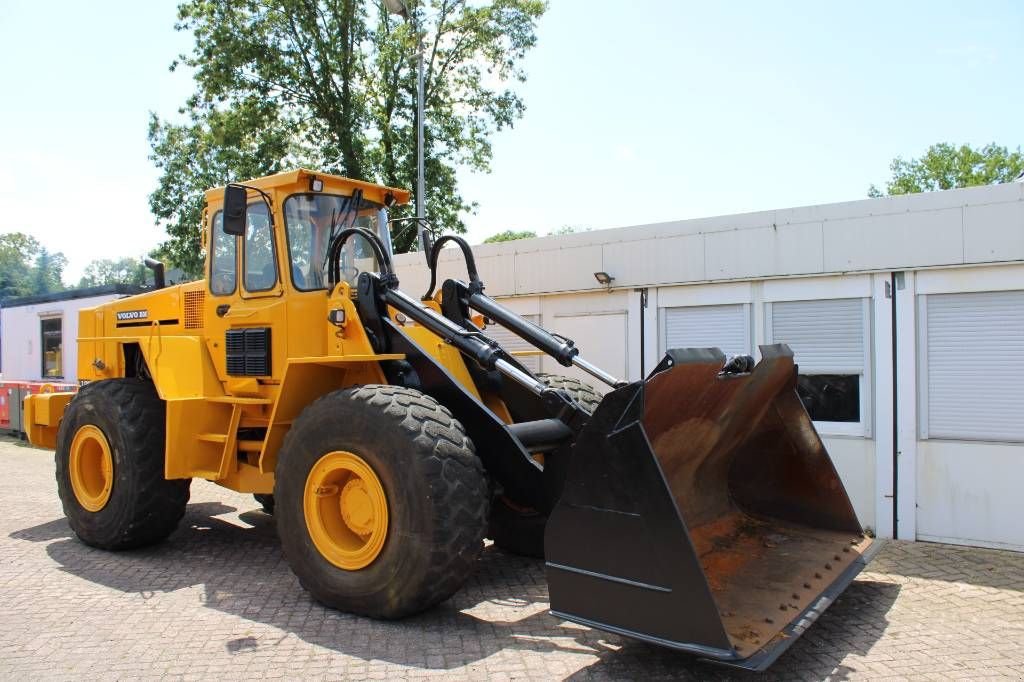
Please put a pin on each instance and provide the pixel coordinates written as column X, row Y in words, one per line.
column 179, row 331
column 729, row 527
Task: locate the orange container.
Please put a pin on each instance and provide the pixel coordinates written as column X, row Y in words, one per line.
column 34, row 387
column 10, row 405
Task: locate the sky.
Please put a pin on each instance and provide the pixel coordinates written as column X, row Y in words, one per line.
column 637, row 112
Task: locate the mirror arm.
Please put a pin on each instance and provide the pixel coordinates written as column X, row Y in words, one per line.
column 263, row 195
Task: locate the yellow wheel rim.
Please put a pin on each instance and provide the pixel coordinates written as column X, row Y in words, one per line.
column 92, row 468
column 346, row 510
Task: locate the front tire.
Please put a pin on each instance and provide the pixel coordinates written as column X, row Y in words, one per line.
column 110, row 466
column 381, row 502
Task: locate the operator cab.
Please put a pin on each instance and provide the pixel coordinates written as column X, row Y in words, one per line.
column 313, row 220
column 291, row 218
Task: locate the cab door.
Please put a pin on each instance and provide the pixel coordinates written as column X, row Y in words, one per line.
column 246, row 336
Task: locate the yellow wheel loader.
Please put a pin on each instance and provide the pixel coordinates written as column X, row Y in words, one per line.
column 389, row 435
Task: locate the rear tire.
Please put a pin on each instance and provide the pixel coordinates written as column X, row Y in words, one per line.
column 126, row 502
column 520, row 530
column 405, row 453
column 580, row 391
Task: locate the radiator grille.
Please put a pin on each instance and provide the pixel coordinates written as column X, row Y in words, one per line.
column 194, row 304
column 248, row 352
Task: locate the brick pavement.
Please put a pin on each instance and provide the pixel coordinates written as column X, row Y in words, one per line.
column 217, row 600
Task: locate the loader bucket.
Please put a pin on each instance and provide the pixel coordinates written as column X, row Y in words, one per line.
column 701, row 512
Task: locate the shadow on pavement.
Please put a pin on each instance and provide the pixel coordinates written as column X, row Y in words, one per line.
column 503, row 606
column 851, row 625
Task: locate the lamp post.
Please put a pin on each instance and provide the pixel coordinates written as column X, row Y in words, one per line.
column 401, row 9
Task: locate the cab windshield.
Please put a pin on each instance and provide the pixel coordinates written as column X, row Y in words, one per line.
column 312, row 220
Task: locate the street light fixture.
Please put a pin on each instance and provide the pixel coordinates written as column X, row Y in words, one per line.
column 399, row 8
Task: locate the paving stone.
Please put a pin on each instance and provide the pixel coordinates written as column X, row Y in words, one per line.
column 218, row 601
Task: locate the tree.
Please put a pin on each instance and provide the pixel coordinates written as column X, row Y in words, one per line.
column 27, row 267
column 17, row 255
column 48, row 272
column 945, row 166
column 510, row 236
column 113, row 271
column 332, row 86
column 216, row 147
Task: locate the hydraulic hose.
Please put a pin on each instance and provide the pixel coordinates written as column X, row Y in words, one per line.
column 380, row 253
column 475, row 285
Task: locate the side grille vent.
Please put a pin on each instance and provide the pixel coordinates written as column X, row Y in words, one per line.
column 194, row 303
column 248, row 351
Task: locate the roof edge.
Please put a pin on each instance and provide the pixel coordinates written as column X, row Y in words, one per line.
column 72, row 294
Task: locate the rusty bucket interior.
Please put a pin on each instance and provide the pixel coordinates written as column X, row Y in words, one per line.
column 753, row 525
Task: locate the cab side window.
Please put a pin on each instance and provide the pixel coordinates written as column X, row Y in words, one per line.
column 223, row 261
column 260, row 263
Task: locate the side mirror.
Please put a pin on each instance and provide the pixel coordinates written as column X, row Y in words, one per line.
column 235, row 200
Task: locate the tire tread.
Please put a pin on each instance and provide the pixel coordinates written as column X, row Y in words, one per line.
column 157, row 504
column 456, row 480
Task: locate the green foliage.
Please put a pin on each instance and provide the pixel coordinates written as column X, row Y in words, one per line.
column 247, row 140
column 113, row 271
column 945, row 166
column 332, row 86
column 17, row 253
column 510, row 236
column 27, row 268
column 48, row 272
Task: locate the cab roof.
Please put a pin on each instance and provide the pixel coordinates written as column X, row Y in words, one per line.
column 300, row 180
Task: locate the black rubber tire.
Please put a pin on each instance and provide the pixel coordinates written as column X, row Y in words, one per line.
column 521, row 530
column 436, row 492
column 580, row 391
column 266, row 501
column 144, row 507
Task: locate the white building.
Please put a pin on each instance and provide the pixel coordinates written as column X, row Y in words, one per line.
column 38, row 333
column 906, row 315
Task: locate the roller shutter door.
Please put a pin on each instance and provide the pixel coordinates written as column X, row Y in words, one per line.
column 826, row 336
column 973, row 366
column 970, row 459
column 830, row 344
column 708, row 326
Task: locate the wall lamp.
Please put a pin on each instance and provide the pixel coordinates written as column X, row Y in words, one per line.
column 604, row 278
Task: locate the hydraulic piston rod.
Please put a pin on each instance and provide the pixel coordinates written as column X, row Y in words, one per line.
column 473, row 344
column 561, row 349
column 597, row 372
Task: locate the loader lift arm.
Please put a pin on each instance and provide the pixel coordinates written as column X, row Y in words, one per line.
column 457, row 298
column 554, row 418
column 733, row 530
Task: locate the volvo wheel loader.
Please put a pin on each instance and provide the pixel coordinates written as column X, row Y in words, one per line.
column 389, row 434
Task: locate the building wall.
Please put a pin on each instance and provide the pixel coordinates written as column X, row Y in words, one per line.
column 20, row 354
column 956, row 227
column 863, row 273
